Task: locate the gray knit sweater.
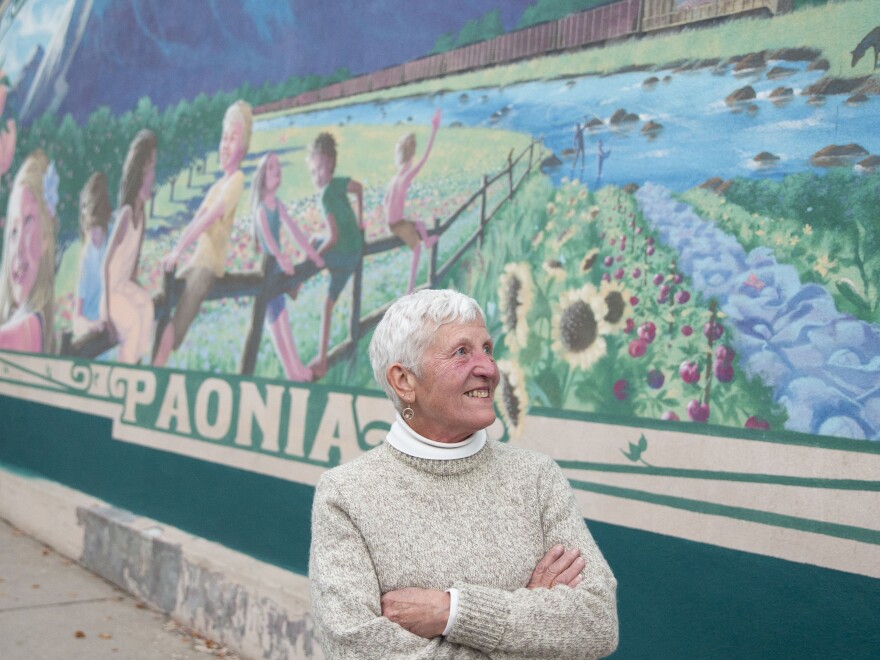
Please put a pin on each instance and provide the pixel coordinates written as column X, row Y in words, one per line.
column 387, row 520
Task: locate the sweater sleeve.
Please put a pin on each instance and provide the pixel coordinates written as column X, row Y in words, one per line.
column 346, row 595
column 556, row 623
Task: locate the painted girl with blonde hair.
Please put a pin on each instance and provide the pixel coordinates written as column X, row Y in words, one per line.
column 412, row 233
column 128, row 306
column 27, row 271
column 210, row 229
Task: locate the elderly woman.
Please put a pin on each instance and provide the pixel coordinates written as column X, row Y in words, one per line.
column 443, row 543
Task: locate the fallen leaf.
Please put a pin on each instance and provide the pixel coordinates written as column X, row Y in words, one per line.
column 79, row 634
column 105, row 636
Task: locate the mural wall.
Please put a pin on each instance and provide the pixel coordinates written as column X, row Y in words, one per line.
column 668, row 209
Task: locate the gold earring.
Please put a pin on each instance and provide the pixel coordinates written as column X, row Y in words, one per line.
column 408, row 413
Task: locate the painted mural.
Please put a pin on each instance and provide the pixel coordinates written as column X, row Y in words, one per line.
column 668, row 209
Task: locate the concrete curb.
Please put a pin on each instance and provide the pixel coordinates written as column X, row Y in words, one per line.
column 254, row 608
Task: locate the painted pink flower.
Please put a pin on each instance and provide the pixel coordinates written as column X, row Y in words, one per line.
column 668, row 414
column 713, row 330
column 687, row 330
column 682, row 297
column 621, row 389
column 647, row 332
column 725, row 354
column 636, row 273
column 629, row 327
column 658, row 279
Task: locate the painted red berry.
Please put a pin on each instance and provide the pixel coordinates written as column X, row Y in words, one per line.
column 723, row 371
column 689, row 371
column 713, row 330
column 756, row 423
column 698, row 412
column 637, row 348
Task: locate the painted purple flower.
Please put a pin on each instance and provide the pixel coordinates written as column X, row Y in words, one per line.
column 649, row 250
column 655, row 379
column 636, row 273
column 698, row 412
column 608, row 260
column 658, row 279
column 689, row 371
column 678, row 278
column 633, row 300
column 725, row 353
column 619, row 273
column 687, row 330
column 620, row 389
column 629, row 327
column 682, row 297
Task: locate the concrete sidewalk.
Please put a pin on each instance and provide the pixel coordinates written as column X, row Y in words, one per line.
column 52, row 608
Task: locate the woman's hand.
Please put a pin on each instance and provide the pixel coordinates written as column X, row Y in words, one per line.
column 558, row 566
column 423, row 612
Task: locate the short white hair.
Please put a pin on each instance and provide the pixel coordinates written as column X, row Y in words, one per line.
column 408, row 326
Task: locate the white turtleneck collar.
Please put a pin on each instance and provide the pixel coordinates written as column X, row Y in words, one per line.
column 404, row 439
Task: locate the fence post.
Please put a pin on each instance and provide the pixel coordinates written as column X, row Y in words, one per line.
column 163, row 304
column 483, row 210
column 248, row 361
column 510, row 174
column 356, row 286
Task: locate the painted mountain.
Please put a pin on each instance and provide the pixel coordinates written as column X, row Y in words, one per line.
column 113, row 52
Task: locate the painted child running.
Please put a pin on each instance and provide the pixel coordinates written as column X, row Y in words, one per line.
column 413, row 233
column 268, row 214
column 345, row 248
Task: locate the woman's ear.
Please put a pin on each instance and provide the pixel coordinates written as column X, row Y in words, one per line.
column 402, row 381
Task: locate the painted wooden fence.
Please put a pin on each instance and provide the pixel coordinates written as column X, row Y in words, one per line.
column 484, row 203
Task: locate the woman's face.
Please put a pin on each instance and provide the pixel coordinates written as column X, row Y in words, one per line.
column 24, row 242
column 273, row 173
column 148, row 178
column 454, row 397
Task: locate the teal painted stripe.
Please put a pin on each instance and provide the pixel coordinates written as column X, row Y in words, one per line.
column 776, row 436
column 717, row 475
column 848, row 532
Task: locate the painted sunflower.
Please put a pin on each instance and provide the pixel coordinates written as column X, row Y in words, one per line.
column 579, row 326
column 515, row 296
column 615, row 298
column 511, row 397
